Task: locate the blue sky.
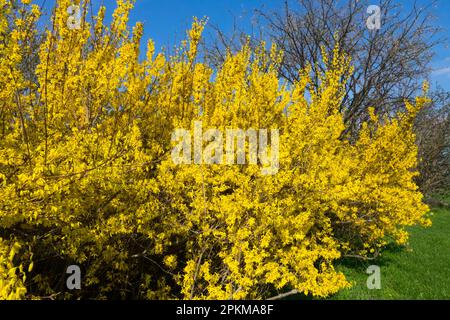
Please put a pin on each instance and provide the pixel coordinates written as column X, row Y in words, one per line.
column 166, row 21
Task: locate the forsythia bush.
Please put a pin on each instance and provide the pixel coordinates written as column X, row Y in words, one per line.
column 87, row 177
column 11, row 278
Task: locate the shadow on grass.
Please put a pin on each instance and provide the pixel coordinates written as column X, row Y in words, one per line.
column 382, row 260
column 359, row 265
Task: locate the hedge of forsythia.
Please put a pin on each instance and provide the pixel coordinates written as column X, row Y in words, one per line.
column 86, row 175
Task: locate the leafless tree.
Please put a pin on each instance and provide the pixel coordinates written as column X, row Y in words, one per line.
column 433, row 139
column 390, row 63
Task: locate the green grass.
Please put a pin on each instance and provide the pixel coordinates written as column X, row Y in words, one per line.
column 419, row 271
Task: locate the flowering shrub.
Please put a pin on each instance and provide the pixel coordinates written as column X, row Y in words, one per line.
column 87, row 178
column 12, row 278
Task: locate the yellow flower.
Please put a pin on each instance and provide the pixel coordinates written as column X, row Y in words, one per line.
column 86, row 173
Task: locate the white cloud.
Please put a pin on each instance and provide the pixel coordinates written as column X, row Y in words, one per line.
column 442, row 71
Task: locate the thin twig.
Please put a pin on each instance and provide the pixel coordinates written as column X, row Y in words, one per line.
column 284, row 295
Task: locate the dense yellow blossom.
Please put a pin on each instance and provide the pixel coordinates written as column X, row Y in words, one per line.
column 12, row 277
column 87, row 178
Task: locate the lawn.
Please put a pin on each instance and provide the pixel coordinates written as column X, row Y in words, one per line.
column 420, row 270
